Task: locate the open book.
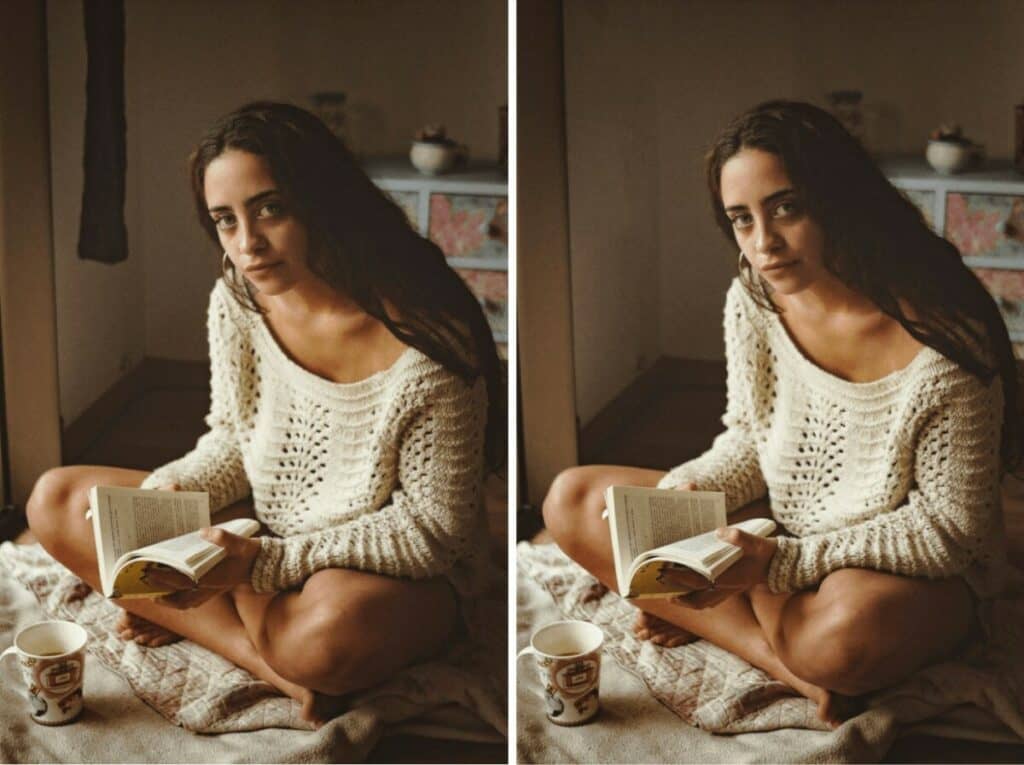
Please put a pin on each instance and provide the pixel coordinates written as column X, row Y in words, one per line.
column 139, row 528
column 652, row 528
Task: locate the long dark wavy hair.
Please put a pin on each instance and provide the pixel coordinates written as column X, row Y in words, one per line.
column 362, row 244
column 878, row 244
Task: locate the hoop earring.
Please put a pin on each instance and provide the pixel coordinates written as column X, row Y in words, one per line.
column 226, row 265
column 741, row 261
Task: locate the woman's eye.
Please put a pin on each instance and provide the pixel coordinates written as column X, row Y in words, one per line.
column 785, row 208
column 270, row 210
column 224, row 222
column 741, row 221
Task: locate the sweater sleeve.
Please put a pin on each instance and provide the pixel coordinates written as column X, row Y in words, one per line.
column 215, row 463
column 950, row 518
column 731, row 464
column 433, row 518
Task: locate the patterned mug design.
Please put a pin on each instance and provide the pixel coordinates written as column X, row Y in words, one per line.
column 569, row 661
column 52, row 660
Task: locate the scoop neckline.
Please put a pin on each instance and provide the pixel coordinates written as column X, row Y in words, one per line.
column 316, row 381
column 891, row 380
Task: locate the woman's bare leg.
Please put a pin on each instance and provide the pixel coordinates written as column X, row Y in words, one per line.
column 862, row 630
column 343, row 631
column 858, row 631
column 56, row 514
column 572, row 513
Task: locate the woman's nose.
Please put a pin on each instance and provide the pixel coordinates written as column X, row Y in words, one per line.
column 250, row 239
column 767, row 238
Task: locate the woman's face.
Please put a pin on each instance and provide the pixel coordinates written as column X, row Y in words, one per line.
column 770, row 222
column 260, row 234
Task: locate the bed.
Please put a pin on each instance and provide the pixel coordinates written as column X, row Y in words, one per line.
column 181, row 703
column 697, row 703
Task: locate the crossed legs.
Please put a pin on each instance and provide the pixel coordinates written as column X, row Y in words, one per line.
column 343, row 631
column 859, row 631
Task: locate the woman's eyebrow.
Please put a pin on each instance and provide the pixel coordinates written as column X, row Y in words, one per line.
column 248, row 202
column 773, row 197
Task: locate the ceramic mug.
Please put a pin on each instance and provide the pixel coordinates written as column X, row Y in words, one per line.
column 568, row 655
column 52, row 658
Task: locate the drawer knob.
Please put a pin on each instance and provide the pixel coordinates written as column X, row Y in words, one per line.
column 1006, row 227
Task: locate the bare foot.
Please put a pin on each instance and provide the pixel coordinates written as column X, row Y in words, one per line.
column 144, row 632
column 650, row 627
column 833, row 708
column 316, row 707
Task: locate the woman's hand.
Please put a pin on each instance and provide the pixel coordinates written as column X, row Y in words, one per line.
column 234, row 569
column 749, row 570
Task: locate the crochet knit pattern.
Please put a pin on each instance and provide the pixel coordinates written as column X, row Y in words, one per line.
column 383, row 475
column 898, row 475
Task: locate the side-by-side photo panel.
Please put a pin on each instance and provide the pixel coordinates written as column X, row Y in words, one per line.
column 770, row 412
column 254, row 270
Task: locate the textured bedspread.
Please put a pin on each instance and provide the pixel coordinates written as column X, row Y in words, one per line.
column 203, row 693
column 663, row 705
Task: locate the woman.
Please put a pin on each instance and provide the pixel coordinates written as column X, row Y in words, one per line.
column 356, row 396
column 867, row 374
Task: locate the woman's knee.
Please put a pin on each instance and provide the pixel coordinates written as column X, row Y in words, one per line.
column 565, row 503
column 844, row 646
column 50, row 503
column 343, row 639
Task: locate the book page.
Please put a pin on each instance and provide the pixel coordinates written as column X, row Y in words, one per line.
column 125, row 519
column 641, row 519
column 706, row 553
column 190, row 554
column 653, row 520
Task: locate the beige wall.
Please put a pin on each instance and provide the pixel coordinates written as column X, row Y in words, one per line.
column 650, row 83
column 614, row 199
column 100, row 308
column 546, row 394
column 26, row 262
column 403, row 63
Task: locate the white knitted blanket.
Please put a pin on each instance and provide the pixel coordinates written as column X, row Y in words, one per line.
column 711, row 689
column 205, row 693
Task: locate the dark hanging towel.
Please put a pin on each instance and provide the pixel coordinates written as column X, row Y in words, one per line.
column 102, row 235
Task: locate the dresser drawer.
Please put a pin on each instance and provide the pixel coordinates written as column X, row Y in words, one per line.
column 491, row 289
column 470, row 226
column 985, row 225
column 1007, row 287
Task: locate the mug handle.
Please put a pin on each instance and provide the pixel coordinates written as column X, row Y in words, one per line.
column 521, row 654
column 8, row 651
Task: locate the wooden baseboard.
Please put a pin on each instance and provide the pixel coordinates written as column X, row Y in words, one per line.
column 148, row 375
column 667, row 373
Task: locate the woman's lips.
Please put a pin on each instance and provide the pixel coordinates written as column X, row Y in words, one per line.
column 779, row 266
column 261, row 268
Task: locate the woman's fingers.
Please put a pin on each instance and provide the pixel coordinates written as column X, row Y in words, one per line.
column 708, row 598
column 167, row 578
column 681, row 577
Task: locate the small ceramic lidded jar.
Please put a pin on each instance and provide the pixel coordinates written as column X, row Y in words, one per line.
column 433, row 152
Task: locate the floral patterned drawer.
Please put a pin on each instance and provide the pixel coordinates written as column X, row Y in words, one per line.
column 1007, row 287
column 924, row 201
column 491, row 289
column 409, row 201
column 990, row 225
column 470, row 226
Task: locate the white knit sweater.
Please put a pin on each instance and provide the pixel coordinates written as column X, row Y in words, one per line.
column 382, row 475
column 898, row 475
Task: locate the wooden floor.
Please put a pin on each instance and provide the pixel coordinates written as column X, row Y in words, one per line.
column 679, row 423
column 161, row 425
